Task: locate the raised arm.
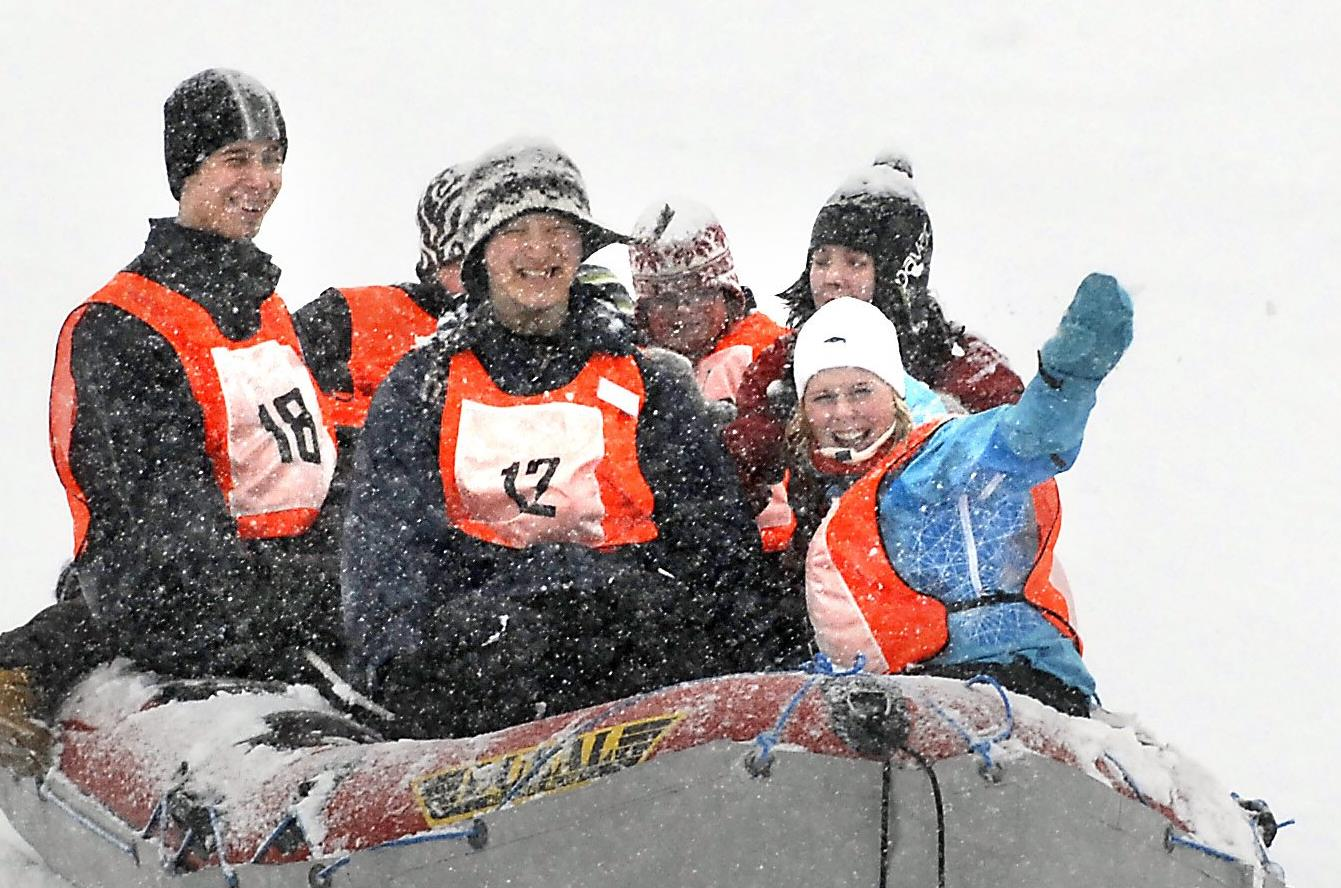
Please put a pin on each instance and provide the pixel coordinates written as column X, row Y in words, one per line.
column 1031, row 441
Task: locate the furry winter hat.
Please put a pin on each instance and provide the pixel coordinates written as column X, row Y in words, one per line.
column 516, row 178
column 439, row 218
column 210, row 110
column 848, row 333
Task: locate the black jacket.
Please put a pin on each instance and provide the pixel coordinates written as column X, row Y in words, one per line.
column 326, row 330
column 164, row 567
column 413, row 582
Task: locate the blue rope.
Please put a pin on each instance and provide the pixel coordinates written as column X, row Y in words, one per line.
column 216, row 825
column 475, row 830
column 1127, row 778
column 1171, row 839
column 543, row 758
column 106, row 835
column 173, row 862
column 273, row 837
column 820, row 667
column 154, row 816
column 982, row 747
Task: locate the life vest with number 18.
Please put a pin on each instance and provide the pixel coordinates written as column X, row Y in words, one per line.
column 267, row 433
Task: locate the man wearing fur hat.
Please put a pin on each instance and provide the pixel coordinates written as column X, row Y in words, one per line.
column 542, row 517
column 193, row 444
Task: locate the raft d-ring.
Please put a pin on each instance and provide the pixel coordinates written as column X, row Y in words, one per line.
column 758, row 765
column 992, row 772
column 479, row 835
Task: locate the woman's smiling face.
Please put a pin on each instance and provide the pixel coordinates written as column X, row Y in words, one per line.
column 848, row 407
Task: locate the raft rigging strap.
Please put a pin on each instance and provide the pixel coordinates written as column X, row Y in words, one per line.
column 290, row 820
column 982, row 747
column 216, row 826
column 477, row 834
column 758, row 763
column 1171, row 838
column 101, row 832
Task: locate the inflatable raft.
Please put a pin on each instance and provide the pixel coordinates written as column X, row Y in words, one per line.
column 787, row 779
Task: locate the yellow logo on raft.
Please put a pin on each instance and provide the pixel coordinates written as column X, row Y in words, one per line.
column 459, row 793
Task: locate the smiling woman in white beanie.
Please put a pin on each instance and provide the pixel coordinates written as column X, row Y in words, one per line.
column 937, row 552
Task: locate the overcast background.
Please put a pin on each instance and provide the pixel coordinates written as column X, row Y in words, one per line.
column 1193, row 152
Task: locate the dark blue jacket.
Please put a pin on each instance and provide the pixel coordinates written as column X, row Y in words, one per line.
column 403, row 559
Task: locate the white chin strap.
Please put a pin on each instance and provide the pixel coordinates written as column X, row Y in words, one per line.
column 848, row 455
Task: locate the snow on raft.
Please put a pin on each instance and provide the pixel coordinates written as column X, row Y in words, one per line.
column 762, row 779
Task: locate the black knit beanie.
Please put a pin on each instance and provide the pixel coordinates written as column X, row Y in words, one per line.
column 210, row 110
column 879, row 212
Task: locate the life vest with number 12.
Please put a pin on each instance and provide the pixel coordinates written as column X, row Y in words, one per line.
column 557, row 467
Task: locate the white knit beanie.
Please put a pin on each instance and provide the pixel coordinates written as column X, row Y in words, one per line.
column 848, row 332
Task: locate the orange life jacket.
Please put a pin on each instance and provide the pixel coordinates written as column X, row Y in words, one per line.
column 719, row 372
column 267, row 431
column 777, row 521
column 859, row 604
column 560, row 466
column 384, row 323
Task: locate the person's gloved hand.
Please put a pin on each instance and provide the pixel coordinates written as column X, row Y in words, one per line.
column 25, row 742
column 1093, row 334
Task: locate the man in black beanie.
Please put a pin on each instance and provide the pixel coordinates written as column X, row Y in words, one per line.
column 194, row 446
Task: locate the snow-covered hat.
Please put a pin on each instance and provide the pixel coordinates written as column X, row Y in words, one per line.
column 681, row 243
column 520, row 177
column 877, row 211
column 439, row 218
column 848, row 333
column 210, row 110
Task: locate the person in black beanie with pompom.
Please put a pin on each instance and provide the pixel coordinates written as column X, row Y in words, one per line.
column 871, row 241
column 193, row 444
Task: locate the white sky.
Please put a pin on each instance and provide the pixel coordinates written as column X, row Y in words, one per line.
column 1194, row 153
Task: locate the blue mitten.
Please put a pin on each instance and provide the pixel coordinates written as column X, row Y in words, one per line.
column 1093, row 334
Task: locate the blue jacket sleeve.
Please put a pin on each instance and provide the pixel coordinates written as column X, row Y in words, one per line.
column 1029, row 442
column 1024, row 443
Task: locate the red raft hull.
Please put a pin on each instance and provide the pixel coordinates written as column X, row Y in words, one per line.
column 205, row 771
